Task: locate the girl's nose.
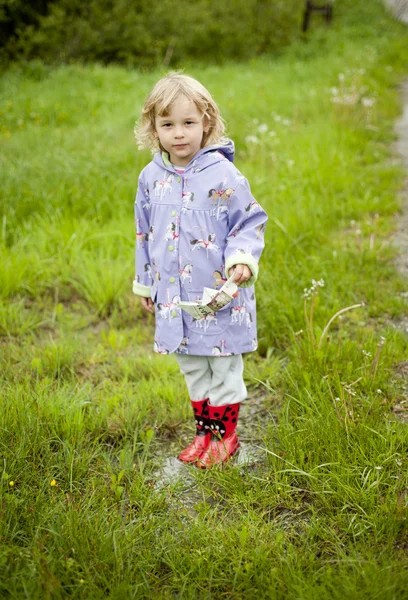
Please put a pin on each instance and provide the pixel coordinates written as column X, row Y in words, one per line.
column 178, row 132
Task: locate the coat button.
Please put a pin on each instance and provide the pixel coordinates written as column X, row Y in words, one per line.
column 170, row 248
column 172, row 280
column 173, row 213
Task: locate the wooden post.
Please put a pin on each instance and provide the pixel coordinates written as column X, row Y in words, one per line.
column 326, row 10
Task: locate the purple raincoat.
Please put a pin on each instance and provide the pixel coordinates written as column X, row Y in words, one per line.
column 191, row 228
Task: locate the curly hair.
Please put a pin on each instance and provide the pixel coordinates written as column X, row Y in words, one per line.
column 159, row 101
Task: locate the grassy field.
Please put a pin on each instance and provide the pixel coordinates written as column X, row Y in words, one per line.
column 88, row 413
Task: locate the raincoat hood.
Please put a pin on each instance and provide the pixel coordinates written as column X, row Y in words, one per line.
column 207, row 156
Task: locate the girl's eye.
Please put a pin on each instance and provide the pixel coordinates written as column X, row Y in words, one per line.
column 189, row 122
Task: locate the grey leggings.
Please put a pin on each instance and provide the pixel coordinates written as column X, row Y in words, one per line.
column 219, row 378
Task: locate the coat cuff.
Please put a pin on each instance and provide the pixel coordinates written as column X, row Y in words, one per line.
column 243, row 259
column 141, row 290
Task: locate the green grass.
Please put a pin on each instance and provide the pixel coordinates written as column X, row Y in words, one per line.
column 86, row 404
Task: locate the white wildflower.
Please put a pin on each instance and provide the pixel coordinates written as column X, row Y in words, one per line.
column 317, row 284
column 368, row 102
column 251, row 139
column 263, row 128
column 314, row 290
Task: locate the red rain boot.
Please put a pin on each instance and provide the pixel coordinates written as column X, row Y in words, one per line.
column 203, row 435
column 224, row 440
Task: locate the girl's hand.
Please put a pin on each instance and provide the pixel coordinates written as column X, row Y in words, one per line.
column 241, row 273
column 147, row 304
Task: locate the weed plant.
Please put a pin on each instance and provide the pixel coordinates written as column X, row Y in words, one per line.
column 88, row 413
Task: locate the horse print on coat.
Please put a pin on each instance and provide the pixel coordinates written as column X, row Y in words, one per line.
column 168, row 310
column 187, row 198
column 220, row 200
column 220, row 350
column 148, row 271
column 185, row 273
column 141, row 236
column 237, row 314
column 252, row 208
column 158, row 348
column 205, row 322
column 208, row 244
column 149, row 235
column 161, row 186
column 183, row 348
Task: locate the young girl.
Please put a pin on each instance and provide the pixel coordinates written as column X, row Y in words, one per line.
column 196, row 225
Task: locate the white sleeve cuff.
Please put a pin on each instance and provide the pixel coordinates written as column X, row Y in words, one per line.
column 243, row 259
column 141, row 290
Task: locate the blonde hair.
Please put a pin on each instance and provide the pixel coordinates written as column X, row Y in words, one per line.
column 159, row 101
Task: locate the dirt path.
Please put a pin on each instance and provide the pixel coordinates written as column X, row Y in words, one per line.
column 399, row 8
column 400, row 409
column 401, row 147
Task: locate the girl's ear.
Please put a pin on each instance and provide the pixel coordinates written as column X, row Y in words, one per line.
column 206, row 124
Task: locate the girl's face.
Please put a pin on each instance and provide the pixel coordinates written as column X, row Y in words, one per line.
column 181, row 132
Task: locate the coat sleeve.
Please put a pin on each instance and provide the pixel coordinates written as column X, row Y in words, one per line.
column 245, row 240
column 143, row 278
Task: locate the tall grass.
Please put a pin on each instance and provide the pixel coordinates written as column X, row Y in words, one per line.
column 89, row 414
